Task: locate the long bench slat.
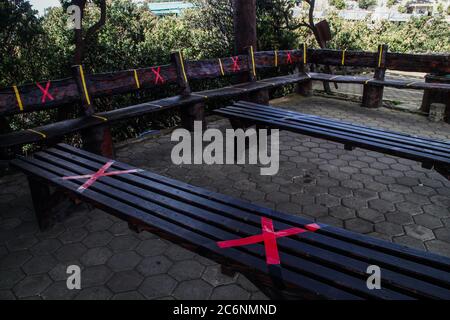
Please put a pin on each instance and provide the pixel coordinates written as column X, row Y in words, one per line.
column 437, row 147
column 142, row 210
column 438, row 276
column 380, row 145
column 396, row 83
column 60, row 128
column 411, row 254
column 308, row 251
column 440, row 144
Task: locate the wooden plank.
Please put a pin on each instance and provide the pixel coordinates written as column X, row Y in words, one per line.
column 442, row 147
column 430, row 63
column 308, row 251
column 224, row 203
column 130, row 205
column 374, row 144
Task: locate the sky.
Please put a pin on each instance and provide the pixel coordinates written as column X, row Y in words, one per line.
column 40, row 5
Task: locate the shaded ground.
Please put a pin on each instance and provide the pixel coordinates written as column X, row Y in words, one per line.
column 367, row 192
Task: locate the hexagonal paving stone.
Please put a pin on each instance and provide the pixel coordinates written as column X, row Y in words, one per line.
column 428, row 221
column 408, row 207
column 151, row 247
column 214, row 276
column 7, row 295
column 70, row 252
column 193, row 290
column 39, row 264
column 419, row 232
column 354, row 203
column 124, row 261
column 94, row 293
column 327, row 200
column 97, row 239
column 157, row 286
column 96, row 256
column 399, row 218
column 186, row 270
column 410, row 242
column 73, row 235
column 9, row 277
column 46, row 246
column 177, row 253
column 59, row 272
column 230, row 292
column 381, row 205
column 124, row 281
column 95, row 276
column 99, row 225
column 358, row 225
column 389, row 228
column 342, row 213
column 154, row 265
column 437, row 211
column 123, row 243
column 14, row 259
column 442, row 234
column 59, row 291
column 21, row 243
column 32, row 285
column 439, row 247
column 370, row 215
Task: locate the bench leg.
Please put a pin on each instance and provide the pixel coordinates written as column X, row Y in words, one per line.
column 189, row 114
column 98, row 140
column 304, row 88
column 40, row 194
column 372, row 96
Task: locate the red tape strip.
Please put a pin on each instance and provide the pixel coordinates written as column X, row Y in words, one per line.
column 100, row 173
column 158, row 76
column 289, row 58
column 236, row 64
column 268, row 236
column 45, row 92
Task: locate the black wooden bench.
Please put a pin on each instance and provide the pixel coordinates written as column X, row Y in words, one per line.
column 316, row 261
column 433, row 154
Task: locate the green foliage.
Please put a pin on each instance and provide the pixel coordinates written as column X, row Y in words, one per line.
column 390, row 3
column 365, row 4
column 339, row 4
column 401, row 9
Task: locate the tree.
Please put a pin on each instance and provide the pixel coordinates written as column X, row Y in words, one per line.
column 338, row 4
column 390, row 3
column 366, row 4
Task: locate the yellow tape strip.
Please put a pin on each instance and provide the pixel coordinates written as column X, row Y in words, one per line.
column 379, row 57
column 182, row 66
column 411, row 83
column 367, row 81
column 83, row 81
column 221, row 67
column 276, row 58
column 19, row 100
column 304, row 53
column 343, row 57
column 136, row 78
column 199, row 95
column 37, row 132
column 253, row 61
column 332, row 78
column 99, row 117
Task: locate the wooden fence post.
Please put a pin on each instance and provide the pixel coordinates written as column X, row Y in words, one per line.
column 373, row 95
column 260, row 96
column 190, row 113
column 97, row 139
column 304, row 88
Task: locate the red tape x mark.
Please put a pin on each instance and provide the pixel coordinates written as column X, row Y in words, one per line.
column 289, row 58
column 236, row 64
column 45, row 92
column 269, row 237
column 158, row 76
column 100, row 173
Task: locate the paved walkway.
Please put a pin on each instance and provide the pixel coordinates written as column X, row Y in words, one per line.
column 401, row 98
column 367, row 192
